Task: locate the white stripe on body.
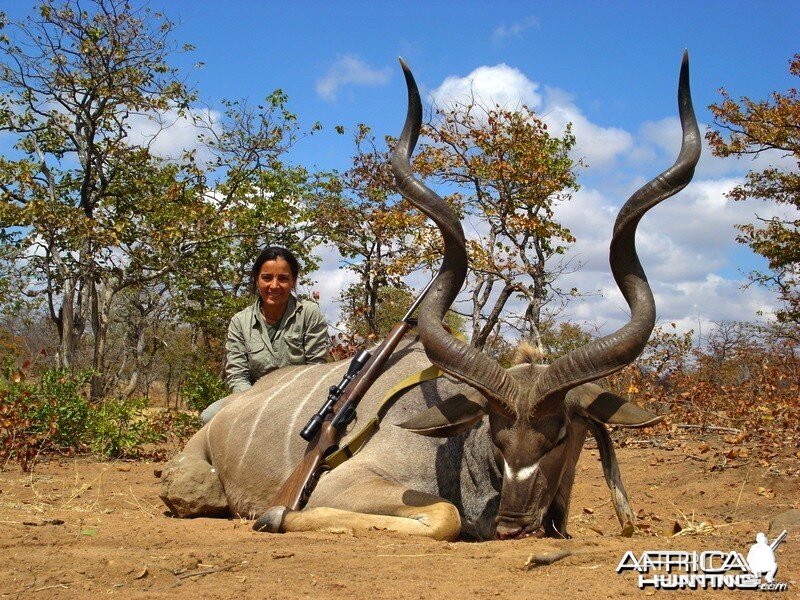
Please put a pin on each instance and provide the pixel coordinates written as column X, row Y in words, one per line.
column 235, row 419
column 287, row 455
column 257, row 420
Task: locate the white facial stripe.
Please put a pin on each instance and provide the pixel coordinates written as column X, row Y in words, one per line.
column 522, row 474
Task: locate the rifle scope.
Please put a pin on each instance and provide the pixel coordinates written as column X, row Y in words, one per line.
column 334, row 392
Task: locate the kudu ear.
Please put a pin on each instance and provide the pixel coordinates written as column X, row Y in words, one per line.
column 454, row 415
column 606, row 407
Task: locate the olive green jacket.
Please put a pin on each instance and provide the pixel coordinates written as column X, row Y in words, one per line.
column 301, row 338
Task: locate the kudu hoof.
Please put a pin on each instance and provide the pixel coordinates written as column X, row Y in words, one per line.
column 272, row 520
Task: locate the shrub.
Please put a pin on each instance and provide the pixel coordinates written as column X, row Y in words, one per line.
column 119, row 427
column 174, row 427
column 52, row 413
column 63, row 403
column 202, row 387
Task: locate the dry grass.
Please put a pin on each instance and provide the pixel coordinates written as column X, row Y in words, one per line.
column 690, row 526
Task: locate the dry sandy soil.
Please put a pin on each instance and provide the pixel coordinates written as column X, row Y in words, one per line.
column 81, row 528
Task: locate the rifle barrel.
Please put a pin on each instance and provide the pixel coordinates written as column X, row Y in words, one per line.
column 419, row 300
column 778, row 540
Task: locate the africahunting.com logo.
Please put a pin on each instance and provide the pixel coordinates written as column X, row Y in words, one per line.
column 708, row 570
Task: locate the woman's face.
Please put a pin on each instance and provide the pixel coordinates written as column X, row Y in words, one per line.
column 275, row 283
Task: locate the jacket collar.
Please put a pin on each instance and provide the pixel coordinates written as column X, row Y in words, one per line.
column 293, row 307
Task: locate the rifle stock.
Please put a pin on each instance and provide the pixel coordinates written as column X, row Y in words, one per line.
column 295, row 491
column 297, row 488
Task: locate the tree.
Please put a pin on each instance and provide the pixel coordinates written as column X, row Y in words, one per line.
column 750, row 127
column 391, row 304
column 97, row 217
column 258, row 199
column 90, row 211
column 379, row 235
column 562, row 338
column 509, row 173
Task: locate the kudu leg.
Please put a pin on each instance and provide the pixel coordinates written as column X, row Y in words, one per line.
column 371, row 504
column 190, row 486
column 608, row 458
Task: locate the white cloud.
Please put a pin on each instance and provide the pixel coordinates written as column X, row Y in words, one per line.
column 713, row 298
column 687, row 244
column 690, row 304
column 349, row 70
column 501, row 84
column 509, row 88
column 599, row 146
column 171, row 133
column 683, row 245
column 660, row 141
column 514, row 30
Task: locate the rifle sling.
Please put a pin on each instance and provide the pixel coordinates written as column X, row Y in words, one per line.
column 357, row 441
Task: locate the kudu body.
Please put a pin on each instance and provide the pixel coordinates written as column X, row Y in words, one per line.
column 484, row 452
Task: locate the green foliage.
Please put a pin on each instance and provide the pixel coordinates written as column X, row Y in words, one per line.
column 509, row 171
column 50, row 414
column 379, row 235
column 53, row 414
column 103, row 213
column 119, row 427
column 749, row 127
column 110, row 218
column 562, row 339
column 62, row 402
column 202, row 387
column 392, row 303
column 258, row 200
column 174, row 427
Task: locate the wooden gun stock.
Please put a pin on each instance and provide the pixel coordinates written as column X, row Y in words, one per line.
column 297, row 488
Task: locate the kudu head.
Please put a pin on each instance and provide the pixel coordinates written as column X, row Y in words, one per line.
column 531, row 408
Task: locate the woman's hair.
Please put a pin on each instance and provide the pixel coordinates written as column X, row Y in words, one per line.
column 271, row 253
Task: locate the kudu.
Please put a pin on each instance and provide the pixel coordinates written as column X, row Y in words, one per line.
column 498, row 448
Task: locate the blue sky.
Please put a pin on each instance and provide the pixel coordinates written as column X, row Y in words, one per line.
column 610, row 67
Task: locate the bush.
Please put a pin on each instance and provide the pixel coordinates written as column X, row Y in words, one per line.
column 174, row 428
column 63, row 404
column 53, row 414
column 201, row 388
column 119, row 427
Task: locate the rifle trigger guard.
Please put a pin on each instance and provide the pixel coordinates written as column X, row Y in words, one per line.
column 348, row 416
column 308, row 488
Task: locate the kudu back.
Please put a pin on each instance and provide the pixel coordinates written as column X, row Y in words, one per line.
column 484, row 452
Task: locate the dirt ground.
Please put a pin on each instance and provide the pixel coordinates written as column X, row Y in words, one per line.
column 81, row 528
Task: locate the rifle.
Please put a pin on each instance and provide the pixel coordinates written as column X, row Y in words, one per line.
column 777, row 541
column 327, row 426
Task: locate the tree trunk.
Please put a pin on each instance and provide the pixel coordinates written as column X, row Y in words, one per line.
column 101, row 312
column 136, row 335
column 533, row 315
column 494, row 317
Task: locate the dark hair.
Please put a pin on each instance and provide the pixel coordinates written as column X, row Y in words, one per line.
column 271, row 253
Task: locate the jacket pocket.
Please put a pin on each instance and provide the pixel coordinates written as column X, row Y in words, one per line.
column 257, row 358
column 293, row 343
column 254, row 346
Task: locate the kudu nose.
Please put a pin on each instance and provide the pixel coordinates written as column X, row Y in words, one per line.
column 511, row 529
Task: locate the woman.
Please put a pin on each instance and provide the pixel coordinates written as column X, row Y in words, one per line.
column 276, row 330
